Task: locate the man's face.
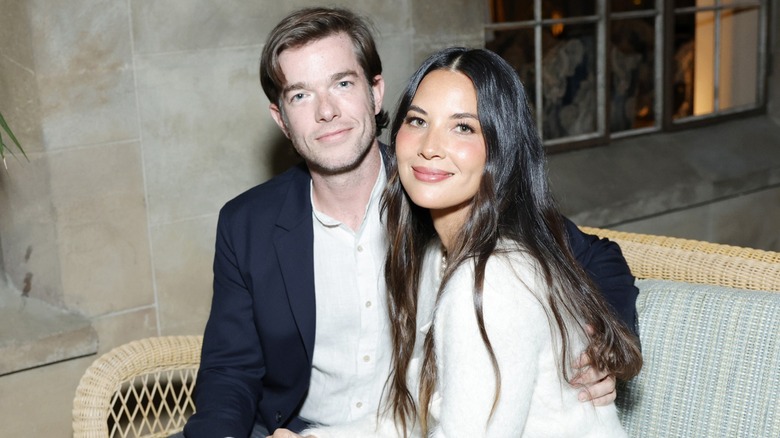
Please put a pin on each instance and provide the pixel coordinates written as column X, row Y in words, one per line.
column 327, row 106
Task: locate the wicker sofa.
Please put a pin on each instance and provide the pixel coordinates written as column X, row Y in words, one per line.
column 709, row 316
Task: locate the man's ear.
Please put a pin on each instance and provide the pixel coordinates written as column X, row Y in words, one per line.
column 276, row 114
column 378, row 88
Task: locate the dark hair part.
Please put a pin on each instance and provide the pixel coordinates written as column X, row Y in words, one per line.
column 312, row 24
column 513, row 203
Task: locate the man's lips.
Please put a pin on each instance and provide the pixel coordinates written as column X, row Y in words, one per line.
column 333, row 135
column 428, row 174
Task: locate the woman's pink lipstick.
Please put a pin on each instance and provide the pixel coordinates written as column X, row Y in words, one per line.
column 427, row 174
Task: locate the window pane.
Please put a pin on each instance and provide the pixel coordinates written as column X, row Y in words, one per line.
column 738, row 58
column 632, row 80
column 566, row 9
column 694, row 61
column 502, row 11
column 691, row 3
column 517, row 48
column 631, row 5
column 569, row 81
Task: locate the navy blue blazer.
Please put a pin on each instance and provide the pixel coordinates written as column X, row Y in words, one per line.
column 259, row 339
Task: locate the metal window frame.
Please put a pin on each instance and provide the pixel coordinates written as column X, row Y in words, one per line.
column 718, row 115
column 664, row 13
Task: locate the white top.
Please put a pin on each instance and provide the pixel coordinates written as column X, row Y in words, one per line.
column 352, row 342
column 534, row 400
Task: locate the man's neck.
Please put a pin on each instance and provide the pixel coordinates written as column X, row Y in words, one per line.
column 344, row 196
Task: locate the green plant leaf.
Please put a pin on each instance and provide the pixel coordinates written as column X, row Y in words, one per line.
column 4, row 146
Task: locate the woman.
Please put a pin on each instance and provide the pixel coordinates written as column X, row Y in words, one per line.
column 490, row 307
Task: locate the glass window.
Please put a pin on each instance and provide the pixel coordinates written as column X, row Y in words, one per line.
column 596, row 70
column 633, row 73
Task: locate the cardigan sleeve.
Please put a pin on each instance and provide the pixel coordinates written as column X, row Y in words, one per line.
column 517, row 328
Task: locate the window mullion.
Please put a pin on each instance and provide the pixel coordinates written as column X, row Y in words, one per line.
column 660, row 60
column 716, row 62
column 538, row 66
column 603, row 47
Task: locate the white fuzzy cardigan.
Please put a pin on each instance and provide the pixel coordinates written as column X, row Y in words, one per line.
column 534, row 400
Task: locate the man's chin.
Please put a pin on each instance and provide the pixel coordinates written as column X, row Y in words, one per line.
column 333, row 169
column 338, row 167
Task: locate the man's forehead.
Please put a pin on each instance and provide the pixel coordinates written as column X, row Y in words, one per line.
column 329, row 49
column 323, row 60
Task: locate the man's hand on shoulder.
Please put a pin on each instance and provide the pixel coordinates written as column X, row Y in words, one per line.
column 597, row 386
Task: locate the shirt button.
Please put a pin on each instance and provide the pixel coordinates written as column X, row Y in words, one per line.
column 359, row 404
column 366, row 358
column 368, row 303
column 360, row 248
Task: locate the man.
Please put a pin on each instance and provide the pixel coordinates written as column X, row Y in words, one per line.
column 273, row 355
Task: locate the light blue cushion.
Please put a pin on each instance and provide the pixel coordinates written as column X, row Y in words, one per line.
column 712, row 363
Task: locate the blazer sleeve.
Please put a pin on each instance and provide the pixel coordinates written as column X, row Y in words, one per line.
column 229, row 381
column 603, row 261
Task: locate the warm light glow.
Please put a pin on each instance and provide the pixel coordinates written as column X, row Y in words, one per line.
column 704, row 63
column 556, row 29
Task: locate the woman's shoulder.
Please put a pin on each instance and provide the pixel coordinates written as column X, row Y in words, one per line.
column 511, row 276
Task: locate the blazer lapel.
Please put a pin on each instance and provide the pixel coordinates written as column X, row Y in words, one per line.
column 294, row 243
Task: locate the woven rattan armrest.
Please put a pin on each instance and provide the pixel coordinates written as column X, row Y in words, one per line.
column 140, row 389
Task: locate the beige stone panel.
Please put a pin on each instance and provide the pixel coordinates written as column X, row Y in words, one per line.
column 751, row 220
column 183, row 25
column 39, row 402
column 387, row 17
column 398, row 65
column 83, row 62
column 183, row 254
column 19, row 94
column 28, row 230
column 15, row 33
column 102, row 228
column 120, row 328
column 207, row 131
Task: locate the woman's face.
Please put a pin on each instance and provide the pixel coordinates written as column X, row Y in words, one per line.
column 440, row 147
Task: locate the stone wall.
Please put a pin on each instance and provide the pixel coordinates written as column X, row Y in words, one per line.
column 141, row 119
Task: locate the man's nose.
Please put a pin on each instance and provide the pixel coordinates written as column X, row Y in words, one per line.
column 327, row 109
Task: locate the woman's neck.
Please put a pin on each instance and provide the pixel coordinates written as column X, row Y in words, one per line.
column 448, row 223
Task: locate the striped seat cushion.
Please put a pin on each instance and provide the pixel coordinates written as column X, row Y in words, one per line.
column 712, row 363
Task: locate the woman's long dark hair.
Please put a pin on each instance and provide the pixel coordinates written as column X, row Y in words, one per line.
column 513, row 204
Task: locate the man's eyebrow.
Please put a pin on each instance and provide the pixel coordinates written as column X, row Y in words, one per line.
column 343, row 74
column 295, row 86
column 333, row 78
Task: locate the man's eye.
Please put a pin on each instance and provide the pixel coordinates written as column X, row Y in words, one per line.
column 345, row 84
column 297, row 96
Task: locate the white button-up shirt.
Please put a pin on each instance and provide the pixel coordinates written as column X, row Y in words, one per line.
column 352, row 341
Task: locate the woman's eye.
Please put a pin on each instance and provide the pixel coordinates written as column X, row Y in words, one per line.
column 414, row 121
column 464, row 128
